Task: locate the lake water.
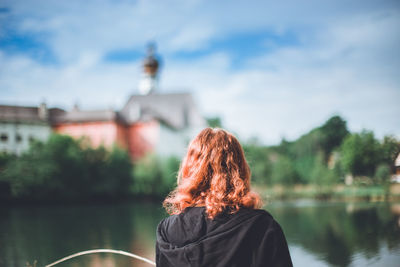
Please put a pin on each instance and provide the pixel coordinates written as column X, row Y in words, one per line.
column 318, row 233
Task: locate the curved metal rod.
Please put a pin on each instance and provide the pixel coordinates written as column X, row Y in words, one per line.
column 103, row 250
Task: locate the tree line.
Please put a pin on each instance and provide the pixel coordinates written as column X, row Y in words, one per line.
column 325, row 155
column 66, row 169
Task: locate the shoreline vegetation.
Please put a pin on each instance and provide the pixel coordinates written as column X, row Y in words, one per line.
column 327, row 163
column 267, row 194
column 339, row 192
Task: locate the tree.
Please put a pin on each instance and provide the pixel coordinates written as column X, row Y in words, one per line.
column 390, row 149
column 283, row 172
column 214, row 122
column 169, row 171
column 63, row 168
column 154, row 176
column 259, row 162
column 321, row 175
column 333, row 133
column 116, row 175
column 284, row 147
column 360, row 154
column 382, row 174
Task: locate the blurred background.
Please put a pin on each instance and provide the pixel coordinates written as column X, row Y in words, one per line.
column 99, row 99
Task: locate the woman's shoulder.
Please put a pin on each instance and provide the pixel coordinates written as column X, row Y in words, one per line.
column 190, row 213
column 262, row 218
column 195, row 215
column 258, row 213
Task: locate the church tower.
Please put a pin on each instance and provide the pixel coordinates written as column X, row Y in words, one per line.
column 149, row 81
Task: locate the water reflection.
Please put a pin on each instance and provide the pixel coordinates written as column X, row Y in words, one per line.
column 335, row 232
column 319, row 234
column 49, row 233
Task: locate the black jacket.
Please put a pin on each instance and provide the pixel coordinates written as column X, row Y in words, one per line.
column 245, row 239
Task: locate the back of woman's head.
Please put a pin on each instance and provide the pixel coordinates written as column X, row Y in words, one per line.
column 214, row 174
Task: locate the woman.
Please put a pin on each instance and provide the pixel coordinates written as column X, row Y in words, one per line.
column 215, row 220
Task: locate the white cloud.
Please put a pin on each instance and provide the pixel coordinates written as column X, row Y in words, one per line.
column 287, row 92
column 72, row 26
column 347, row 61
column 87, row 81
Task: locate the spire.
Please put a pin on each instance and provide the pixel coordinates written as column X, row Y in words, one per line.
column 149, row 81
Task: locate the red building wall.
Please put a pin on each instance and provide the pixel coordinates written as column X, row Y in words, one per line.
column 99, row 133
column 142, row 138
column 139, row 138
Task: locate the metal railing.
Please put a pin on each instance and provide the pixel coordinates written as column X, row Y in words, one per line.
column 103, row 250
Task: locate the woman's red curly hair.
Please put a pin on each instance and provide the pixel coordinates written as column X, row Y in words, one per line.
column 213, row 174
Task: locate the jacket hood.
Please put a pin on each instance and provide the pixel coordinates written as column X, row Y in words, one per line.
column 191, row 239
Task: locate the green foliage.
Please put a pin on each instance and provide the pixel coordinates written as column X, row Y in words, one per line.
column 259, row 162
column 304, row 165
column 360, row 154
column 333, row 133
column 284, row 147
column 214, row 122
column 305, row 160
column 5, row 190
column 154, row 176
column 389, row 150
column 307, row 145
column 67, row 169
column 116, row 173
column 169, row 171
column 283, row 172
column 5, row 158
column 299, row 161
column 321, row 175
column 62, row 168
column 382, row 173
column 382, row 176
column 146, row 175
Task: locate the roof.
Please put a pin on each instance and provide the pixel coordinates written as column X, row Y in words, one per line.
column 28, row 114
column 88, row 116
column 177, row 110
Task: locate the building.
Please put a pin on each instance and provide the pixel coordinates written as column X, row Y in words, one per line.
column 101, row 127
column 21, row 125
column 148, row 123
column 396, row 176
column 161, row 123
column 154, row 123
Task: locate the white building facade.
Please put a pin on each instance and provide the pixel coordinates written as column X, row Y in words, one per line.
column 16, row 137
column 19, row 126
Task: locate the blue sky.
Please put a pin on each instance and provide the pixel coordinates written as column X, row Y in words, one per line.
column 268, row 69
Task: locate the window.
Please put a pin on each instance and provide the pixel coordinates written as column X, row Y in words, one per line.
column 4, row 137
column 18, row 138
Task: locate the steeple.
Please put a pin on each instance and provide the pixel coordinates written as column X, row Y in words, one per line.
column 149, row 81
